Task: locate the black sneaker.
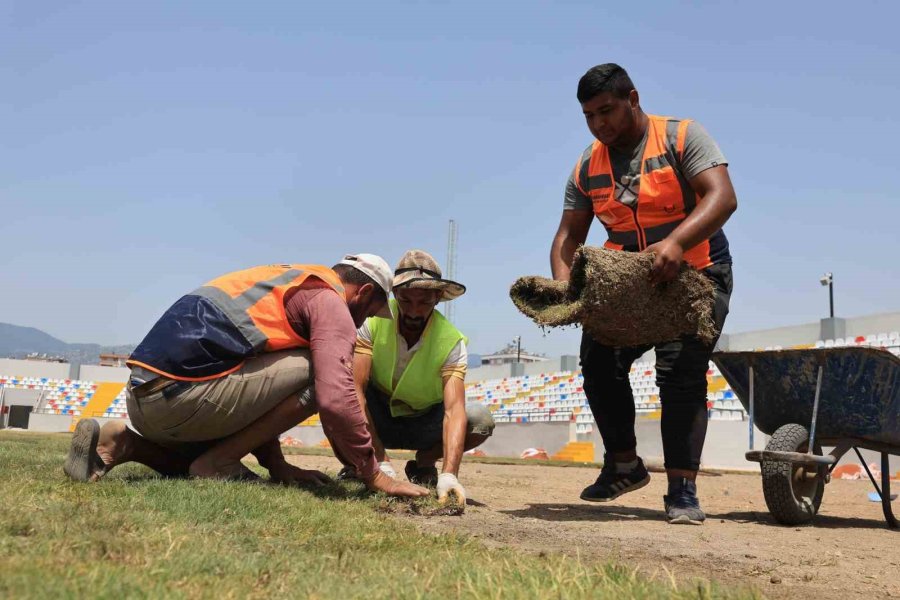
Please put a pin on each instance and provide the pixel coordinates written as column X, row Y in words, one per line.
column 348, row 473
column 682, row 506
column 612, row 484
column 421, row 475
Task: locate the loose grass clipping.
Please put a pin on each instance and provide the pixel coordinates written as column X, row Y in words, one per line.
column 611, row 297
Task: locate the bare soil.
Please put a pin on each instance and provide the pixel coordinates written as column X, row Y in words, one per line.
column 847, row 553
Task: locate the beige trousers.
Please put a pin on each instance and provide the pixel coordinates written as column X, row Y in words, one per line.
column 209, row 410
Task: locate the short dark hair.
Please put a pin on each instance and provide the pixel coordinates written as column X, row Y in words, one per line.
column 608, row 77
column 350, row 274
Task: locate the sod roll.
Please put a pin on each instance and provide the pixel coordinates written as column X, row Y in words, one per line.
column 610, row 295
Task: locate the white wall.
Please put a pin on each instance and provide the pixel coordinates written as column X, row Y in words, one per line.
column 809, row 333
column 33, row 368
column 57, row 423
column 795, row 335
column 883, row 323
column 98, row 373
column 12, row 397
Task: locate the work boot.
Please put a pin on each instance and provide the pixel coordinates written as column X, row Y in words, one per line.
column 421, row 475
column 682, row 505
column 611, row 484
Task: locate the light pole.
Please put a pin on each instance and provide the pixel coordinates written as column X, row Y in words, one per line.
column 518, row 341
column 828, row 279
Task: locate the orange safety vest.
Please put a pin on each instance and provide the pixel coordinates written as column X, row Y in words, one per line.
column 665, row 198
column 210, row 332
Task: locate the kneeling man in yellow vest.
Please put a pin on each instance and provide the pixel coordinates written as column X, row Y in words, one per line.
column 237, row 362
column 410, row 377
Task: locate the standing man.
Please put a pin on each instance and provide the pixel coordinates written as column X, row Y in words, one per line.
column 658, row 185
column 240, row 360
column 410, row 376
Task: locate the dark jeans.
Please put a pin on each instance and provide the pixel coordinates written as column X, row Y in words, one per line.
column 681, row 367
column 420, row 432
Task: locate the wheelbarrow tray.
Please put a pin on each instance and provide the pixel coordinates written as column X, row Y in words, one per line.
column 859, row 398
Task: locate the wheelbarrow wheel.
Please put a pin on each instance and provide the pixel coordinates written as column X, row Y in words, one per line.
column 793, row 492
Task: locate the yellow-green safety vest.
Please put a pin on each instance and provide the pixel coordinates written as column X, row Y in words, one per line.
column 420, row 385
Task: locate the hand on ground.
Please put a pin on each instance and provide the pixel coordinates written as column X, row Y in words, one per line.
column 448, row 485
column 395, row 487
column 667, row 261
column 288, row 474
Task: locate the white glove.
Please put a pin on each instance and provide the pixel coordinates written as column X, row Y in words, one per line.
column 388, row 469
column 448, row 484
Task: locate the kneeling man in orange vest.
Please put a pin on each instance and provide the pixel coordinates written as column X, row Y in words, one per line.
column 237, row 362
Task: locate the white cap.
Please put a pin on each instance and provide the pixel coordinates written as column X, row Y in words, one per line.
column 377, row 268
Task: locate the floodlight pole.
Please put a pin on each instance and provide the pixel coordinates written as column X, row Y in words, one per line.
column 828, row 279
column 831, row 297
column 518, row 349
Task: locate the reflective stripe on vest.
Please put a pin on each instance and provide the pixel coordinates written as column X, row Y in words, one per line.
column 210, row 332
column 253, row 300
column 665, row 197
column 421, row 384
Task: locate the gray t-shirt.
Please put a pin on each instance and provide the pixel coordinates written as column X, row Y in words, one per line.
column 700, row 153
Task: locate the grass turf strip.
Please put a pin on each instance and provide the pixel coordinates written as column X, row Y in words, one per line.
column 139, row 536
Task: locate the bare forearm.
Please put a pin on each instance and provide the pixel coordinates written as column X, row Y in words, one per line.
column 572, row 232
column 454, row 439
column 707, row 218
column 561, row 253
column 716, row 203
column 380, row 452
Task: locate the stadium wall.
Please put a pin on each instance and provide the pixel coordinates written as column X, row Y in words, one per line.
column 881, row 323
column 98, row 373
column 47, row 423
column 510, row 439
column 561, row 363
column 13, row 397
column 765, row 338
column 810, row 333
column 34, row 368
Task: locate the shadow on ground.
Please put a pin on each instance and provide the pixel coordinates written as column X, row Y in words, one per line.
column 582, row 512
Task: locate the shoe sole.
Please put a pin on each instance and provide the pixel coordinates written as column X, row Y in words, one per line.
column 631, row 488
column 83, row 450
column 684, row 520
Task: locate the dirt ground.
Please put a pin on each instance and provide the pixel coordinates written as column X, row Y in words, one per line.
column 847, row 553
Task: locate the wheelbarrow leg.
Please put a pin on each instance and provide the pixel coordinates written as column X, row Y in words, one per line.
column 886, row 492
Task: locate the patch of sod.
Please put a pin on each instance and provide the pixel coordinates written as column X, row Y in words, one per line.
column 137, row 535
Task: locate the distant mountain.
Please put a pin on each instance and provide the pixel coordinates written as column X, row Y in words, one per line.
column 18, row 342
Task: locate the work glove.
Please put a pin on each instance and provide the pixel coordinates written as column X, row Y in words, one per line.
column 448, row 484
column 388, row 469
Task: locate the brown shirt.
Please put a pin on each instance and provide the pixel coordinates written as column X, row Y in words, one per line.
column 317, row 313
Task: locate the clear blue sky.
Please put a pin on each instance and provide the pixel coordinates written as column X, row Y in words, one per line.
column 148, row 147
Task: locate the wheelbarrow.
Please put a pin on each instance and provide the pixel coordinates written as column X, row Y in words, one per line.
column 845, row 398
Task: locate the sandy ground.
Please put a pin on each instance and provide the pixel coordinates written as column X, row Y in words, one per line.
column 847, row 553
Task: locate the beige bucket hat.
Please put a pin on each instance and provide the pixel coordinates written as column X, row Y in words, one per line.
column 418, row 269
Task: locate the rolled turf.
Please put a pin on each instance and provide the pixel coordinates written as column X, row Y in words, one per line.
column 610, row 295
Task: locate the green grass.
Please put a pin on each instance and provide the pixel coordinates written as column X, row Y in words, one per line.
column 138, row 536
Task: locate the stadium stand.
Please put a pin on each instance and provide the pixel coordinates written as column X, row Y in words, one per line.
column 559, row 396
column 65, row 396
column 549, row 397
